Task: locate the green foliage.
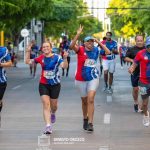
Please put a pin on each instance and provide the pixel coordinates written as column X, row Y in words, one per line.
column 129, row 22
column 58, row 16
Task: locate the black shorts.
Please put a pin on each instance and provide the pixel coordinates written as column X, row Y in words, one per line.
column 2, row 89
column 135, row 80
column 144, row 90
column 51, row 90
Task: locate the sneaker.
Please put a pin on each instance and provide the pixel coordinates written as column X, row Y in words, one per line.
column 110, row 91
column 48, row 130
column 105, row 89
column 85, row 124
column 90, row 127
column 136, row 107
column 140, row 110
column 53, row 118
column 146, row 120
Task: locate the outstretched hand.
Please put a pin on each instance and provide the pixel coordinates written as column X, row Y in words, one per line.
column 79, row 31
column 131, row 69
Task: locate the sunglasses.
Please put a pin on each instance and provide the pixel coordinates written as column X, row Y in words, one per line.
column 148, row 46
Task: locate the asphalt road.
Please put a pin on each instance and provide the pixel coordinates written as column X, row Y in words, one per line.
column 117, row 126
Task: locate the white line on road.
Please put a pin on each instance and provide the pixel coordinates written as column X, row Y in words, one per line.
column 16, row 87
column 107, row 118
column 103, row 148
column 109, row 98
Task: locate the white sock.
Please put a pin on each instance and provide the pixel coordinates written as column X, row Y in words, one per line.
column 48, row 125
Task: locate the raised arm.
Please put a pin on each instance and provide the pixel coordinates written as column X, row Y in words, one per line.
column 107, row 51
column 73, row 45
column 64, row 64
column 28, row 52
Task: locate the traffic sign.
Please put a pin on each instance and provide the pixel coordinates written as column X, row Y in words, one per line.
column 24, row 32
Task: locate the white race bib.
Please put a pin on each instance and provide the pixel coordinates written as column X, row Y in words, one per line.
column 49, row 74
column 90, row 63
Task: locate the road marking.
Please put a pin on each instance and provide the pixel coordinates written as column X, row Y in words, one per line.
column 107, row 118
column 103, row 148
column 16, row 87
column 109, row 98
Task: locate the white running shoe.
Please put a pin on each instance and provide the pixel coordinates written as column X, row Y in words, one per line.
column 110, row 91
column 146, row 120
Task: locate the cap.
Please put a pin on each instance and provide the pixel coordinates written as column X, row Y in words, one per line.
column 147, row 41
column 88, row 38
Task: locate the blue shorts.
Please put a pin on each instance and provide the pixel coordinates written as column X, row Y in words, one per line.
column 135, row 80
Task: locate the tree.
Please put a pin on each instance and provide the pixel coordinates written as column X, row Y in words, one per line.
column 129, row 22
column 57, row 16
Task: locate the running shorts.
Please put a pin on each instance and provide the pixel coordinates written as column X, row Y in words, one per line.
column 135, row 80
column 85, row 86
column 51, row 90
column 2, row 89
column 109, row 65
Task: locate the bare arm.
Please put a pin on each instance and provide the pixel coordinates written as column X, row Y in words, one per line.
column 128, row 59
column 28, row 52
column 73, row 45
column 132, row 68
column 64, row 64
column 107, row 51
column 6, row 64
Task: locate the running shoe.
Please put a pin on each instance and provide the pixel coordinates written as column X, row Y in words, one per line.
column 105, row 89
column 48, row 130
column 53, row 118
column 136, row 107
column 146, row 120
column 110, row 90
column 90, row 127
column 85, row 124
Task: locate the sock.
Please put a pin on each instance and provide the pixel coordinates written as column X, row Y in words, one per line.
column 48, row 125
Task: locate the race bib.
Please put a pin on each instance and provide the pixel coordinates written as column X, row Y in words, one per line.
column 143, row 90
column 49, row 74
column 90, row 63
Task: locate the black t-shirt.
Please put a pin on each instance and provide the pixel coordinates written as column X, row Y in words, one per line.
column 131, row 53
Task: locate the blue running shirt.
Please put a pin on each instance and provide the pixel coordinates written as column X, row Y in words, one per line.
column 4, row 57
column 89, row 70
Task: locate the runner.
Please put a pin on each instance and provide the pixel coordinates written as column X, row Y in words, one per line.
column 130, row 55
column 142, row 59
column 64, row 46
column 100, row 59
column 87, row 75
column 109, row 62
column 122, row 52
column 49, row 86
column 34, row 53
column 5, row 61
